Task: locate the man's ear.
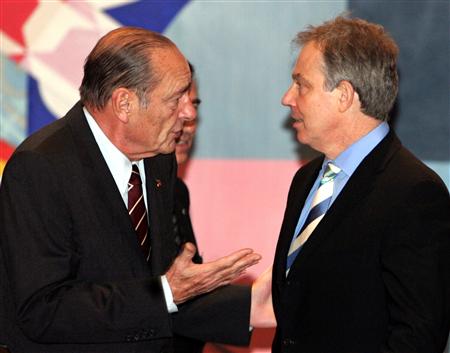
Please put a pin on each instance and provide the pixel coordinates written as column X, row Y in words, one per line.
column 346, row 95
column 121, row 103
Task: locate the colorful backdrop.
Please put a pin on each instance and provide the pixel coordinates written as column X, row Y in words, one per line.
column 245, row 154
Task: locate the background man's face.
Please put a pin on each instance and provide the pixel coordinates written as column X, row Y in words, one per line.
column 185, row 141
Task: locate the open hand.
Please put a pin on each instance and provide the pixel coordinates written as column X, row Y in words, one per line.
column 187, row 279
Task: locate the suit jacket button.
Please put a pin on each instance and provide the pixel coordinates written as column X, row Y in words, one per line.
column 288, row 342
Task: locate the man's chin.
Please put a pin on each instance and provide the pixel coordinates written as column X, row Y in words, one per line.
column 167, row 148
column 301, row 137
column 182, row 157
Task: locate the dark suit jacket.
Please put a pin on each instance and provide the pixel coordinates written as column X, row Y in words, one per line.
column 76, row 280
column 373, row 276
column 181, row 218
column 184, row 233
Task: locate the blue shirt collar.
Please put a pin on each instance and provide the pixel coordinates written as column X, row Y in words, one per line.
column 350, row 159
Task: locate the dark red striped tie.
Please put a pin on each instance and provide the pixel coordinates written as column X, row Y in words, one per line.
column 137, row 210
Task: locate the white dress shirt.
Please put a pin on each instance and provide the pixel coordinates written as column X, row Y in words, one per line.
column 120, row 167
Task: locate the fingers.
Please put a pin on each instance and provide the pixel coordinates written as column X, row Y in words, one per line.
column 247, row 261
column 238, row 260
column 236, row 256
column 229, row 268
column 187, row 279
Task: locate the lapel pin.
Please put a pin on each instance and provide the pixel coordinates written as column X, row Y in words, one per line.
column 158, row 183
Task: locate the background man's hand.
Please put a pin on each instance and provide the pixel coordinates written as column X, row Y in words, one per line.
column 187, row 279
column 261, row 312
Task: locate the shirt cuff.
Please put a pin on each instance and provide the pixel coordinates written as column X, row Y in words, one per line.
column 171, row 306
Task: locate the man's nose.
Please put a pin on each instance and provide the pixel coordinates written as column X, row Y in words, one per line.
column 187, row 111
column 287, row 98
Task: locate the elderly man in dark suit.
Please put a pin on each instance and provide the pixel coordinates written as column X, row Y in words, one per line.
column 362, row 261
column 90, row 260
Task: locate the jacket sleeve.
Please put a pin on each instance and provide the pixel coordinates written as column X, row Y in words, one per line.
column 222, row 316
column 415, row 268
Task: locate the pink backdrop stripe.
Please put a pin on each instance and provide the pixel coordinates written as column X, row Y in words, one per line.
column 237, row 204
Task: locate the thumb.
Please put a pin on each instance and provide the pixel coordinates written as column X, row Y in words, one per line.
column 187, row 252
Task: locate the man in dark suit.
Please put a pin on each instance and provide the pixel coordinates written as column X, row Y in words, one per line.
column 362, row 261
column 181, row 219
column 183, row 229
column 75, row 277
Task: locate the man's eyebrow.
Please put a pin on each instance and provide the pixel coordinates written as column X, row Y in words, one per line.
column 196, row 101
column 184, row 89
column 298, row 78
column 178, row 92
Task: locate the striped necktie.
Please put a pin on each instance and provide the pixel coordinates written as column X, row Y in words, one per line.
column 137, row 210
column 319, row 206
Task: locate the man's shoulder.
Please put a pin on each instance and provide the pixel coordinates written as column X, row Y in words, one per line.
column 408, row 169
column 50, row 138
column 50, row 146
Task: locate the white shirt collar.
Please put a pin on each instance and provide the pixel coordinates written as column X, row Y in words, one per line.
column 119, row 165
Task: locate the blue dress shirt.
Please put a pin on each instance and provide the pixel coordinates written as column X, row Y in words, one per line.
column 348, row 161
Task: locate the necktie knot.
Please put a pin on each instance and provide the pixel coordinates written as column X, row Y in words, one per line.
column 135, row 178
column 331, row 171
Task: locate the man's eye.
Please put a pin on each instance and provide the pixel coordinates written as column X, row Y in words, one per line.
column 301, row 87
column 175, row 101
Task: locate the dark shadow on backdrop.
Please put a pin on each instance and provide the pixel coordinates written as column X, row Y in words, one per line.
column 422, row 111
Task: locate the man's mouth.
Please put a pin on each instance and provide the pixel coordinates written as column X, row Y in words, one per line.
column 181, row 141
column 178, row 135
column 183, row 138
column 294, row 116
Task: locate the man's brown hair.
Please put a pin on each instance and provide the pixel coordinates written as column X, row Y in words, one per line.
column 361, row 53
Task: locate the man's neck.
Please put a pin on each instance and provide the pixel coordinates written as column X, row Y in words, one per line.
column 351, row 134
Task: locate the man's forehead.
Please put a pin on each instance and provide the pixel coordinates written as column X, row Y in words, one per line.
column 309, row 59
column 172, row 68
column 169, row 58
column 298, row 73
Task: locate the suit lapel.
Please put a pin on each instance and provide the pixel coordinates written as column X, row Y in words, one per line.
column 298, row 193
column 359, row 185
column 160, row 177
column 109, row 205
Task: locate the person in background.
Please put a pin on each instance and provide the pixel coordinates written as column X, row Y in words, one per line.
column 89, row 262
column 183, row 148
column 181, row 218
column 362, row 260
